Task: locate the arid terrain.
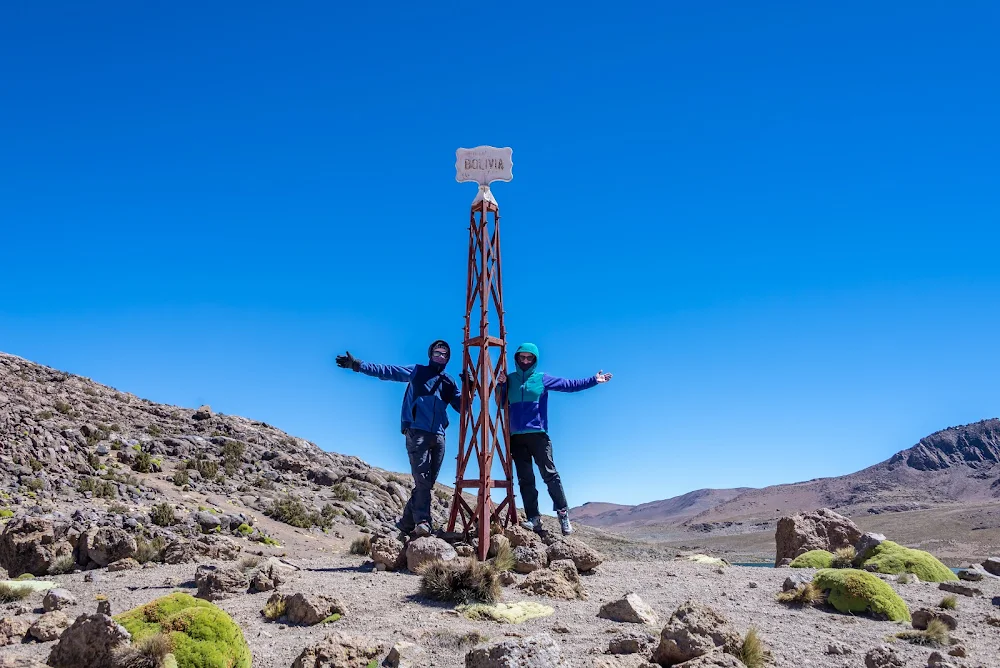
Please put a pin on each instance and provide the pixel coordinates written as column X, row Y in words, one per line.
column 96, row 471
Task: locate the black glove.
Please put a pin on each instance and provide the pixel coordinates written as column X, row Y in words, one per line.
column 348, row 361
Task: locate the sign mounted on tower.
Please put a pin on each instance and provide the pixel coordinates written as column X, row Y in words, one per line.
column 483, row 165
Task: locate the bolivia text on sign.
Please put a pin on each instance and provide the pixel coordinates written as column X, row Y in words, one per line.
column 483, row 165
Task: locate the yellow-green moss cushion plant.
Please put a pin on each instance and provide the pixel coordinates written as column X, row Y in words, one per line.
column 854, row 591
column 893, row 558
column 813, row 559
column 203, row 635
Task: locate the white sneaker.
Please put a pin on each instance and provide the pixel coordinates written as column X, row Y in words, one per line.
column 532, row 524
column 564, row 524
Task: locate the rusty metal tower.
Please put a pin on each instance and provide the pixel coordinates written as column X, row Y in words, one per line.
column 484, row 428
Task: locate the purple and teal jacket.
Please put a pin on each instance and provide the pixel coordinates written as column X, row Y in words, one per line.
column 528, row 394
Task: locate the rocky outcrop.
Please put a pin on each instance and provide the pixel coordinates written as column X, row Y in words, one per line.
column 269, row 575
column 975, row 445
column 339, row 649
column 560, row 580
column 583, row 556
column 91, row 641
column 538, row 651
column 821, row 529
column 48, row 626
column 692, row 631
column 109, row 544
column 388, row 553
column 33, row 544
column 57, row 599
column 528, row 558
column 218, row 582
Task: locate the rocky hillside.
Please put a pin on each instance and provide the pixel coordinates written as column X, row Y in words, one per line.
column 85, row 455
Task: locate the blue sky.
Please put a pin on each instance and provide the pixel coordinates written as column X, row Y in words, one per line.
column 776, row 225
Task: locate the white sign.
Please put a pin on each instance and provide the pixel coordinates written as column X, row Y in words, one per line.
column 483, row 165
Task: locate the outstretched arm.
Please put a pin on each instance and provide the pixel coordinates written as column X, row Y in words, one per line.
column 557, row 384
column 400, row 374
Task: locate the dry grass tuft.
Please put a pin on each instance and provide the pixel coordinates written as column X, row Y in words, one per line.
column 904, row 579
column 936, row 635
column 807, row 594
column 247, row 564
column 10, row 593
column 362, row 545
column 274, row 608
column 752, row 652
column 466, row 582
column 948, row 603
column 844, row 557
column 63, row 564
column 149, row 652
column 504, row 558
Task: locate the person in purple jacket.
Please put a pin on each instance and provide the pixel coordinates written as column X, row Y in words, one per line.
column 527, row 391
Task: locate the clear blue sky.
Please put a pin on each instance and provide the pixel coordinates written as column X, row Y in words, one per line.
column 777, row 225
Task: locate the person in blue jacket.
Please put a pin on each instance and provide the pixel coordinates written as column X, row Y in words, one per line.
column 424, row 419
column 527, row 391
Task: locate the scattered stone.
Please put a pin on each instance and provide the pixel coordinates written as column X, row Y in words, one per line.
column 961, row 589
column 49, row 626
column 269, row 576
column 630, row 643
column 992, row 566
column 796, row 580
column 528, row 558
column 693, row 630
column 583, row 556
column 752, row 585
column 713, row 660
column 631, row 609
column 310, row 609
column 839, row 649
column 88, row 577
column 427, row 549
column 19, row 662
column 203, row 413
column 108, row 544
column 104, row 607
column 14, row 627
column 924, row 616
column 508, row 579
column 958, row 651
column 406, row 655
column 127, row 564
column 339, row 649
column 57, row 599
column 388, row 553
column 538, row 651
column 179, row 552
column 90, row 641
column 497, row 542
column 821, row 529
column 521, row 537
column 883, row 656
column 969, row 575
column 868, row 541
column 560, row 580
column 207, row 521
column 936, row 660
column 216, row 582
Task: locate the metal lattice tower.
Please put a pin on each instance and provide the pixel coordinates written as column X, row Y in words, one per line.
column 484, row 431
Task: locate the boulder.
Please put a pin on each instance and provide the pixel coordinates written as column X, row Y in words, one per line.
column 937, row 660
column 796, row 580
column 49, row 626
column 427, row 549
column 208, row 521
column 498, row 542
column 339, row 649
column 713, row 660
column 970, row 575
column 868, row 541
column 992, row 566
column 109, row 544
column 584, row 557
column 327, row 477
column 631, row 609
column 310, row 609
column 519, row 536
column 924, row 616
column 692, row 631
column 179, row 552
column 555, row 582
column 90, row 641
column 388, row 553
column 126, row 564
column 269, row 575
column 406, row 655
column 538, row 651
column 630, row 643
column 217, row 582
column 57, row 599
column 883, row 656
column 203, row 413
column 821, row 529
column 528, row 558
column 33, row 544
column 14, row 627
column 960, row 589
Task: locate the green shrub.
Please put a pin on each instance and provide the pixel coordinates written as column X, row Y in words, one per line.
column 342, row 492
column 905, row 579
column 200, row 633
column 207, row 468
column 949, row 602
column 854, row 591
column 232, row 455
column 813, row 559
column 267, row 540
column 6, row 513
column 153, row 430
column 150, row 550
column 292, row 511
column 892, row 558
column 25, row 576
column 35, row 465
column 162, row 514
column 275, row 607
column 63, row 407
column 332, row 618
column 150, row 652
column 362, row 545
column 44, row 415
column 244, row 529
column 34, row 484
column 143, row 463
column 181, row 477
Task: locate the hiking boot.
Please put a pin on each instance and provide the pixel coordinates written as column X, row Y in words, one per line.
column 533, row 524
column 403, row 527
column 423, row 529
column 564, row 524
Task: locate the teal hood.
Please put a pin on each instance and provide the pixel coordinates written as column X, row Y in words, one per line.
column 527, row 348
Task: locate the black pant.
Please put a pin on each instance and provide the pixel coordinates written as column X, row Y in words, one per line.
column 426, row 451
column 537, row 446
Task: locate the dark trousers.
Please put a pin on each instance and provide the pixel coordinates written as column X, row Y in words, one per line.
column 538, row 446
column 426, row 451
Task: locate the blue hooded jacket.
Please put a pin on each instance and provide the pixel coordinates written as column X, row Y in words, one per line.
column 429, row 392
column 528, row 392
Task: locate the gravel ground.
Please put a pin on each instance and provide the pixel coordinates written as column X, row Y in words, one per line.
column 385, row 606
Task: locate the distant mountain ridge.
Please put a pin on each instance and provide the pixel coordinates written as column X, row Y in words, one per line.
column 955, row 465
